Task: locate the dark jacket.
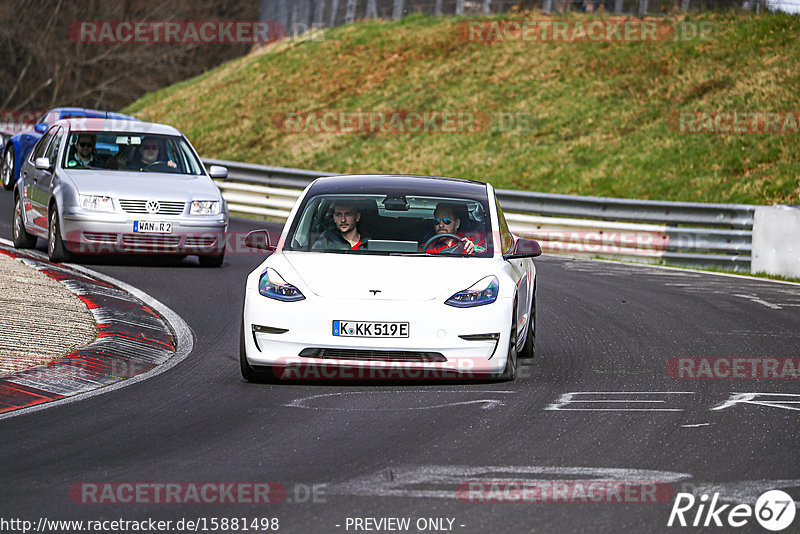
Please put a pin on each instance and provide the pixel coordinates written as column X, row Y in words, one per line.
column 333, row 240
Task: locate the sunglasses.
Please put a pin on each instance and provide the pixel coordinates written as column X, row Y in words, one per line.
column 445, row 220
column 149, row 147
column 90, row 145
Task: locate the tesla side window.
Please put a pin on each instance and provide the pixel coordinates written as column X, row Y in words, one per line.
column 505, row 234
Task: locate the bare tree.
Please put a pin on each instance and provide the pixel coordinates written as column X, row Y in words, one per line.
column 45, row 66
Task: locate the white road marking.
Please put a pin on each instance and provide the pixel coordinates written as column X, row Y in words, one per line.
column 695, row 425
column 753, row 398
column 572, row 398
column 488, row 404
column 407, row 480
column 757, row 300
column 442, row 481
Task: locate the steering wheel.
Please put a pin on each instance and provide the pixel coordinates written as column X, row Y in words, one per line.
column 458, row 247
column 153, row 164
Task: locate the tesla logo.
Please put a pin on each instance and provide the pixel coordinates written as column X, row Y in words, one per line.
column 374, row 291
column 152, row 206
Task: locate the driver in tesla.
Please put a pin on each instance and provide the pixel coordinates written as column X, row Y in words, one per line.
column 446, row 223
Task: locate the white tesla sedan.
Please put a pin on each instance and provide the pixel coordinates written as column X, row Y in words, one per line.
column 396, row 277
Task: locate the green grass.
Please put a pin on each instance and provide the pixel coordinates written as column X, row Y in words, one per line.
column 604, row 114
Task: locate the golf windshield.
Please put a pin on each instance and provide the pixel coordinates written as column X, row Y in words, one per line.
column 112, row 151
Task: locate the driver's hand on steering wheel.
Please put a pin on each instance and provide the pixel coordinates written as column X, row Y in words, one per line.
column 469, row 246
column 172, row 164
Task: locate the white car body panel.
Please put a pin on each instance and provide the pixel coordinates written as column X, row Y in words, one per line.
column 410, row 288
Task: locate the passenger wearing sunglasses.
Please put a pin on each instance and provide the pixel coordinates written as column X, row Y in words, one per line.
column 83, row 156
column 445, row 221
column 149, row 157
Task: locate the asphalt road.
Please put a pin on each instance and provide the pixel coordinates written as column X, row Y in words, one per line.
column 605, row 330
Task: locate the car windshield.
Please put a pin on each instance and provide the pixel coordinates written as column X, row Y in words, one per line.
column 381, row 224
column 120, row 151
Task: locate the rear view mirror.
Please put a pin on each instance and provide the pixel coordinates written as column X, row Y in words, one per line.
column 259, row 239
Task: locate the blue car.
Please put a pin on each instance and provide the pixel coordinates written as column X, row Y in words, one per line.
column 17, row 148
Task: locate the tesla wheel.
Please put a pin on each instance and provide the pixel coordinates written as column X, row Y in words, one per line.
column 248, row 373
column 528, row 351
column 55, row 245
column 510, row 372
column 211, row 260
column 7, row 170
column 22, row 239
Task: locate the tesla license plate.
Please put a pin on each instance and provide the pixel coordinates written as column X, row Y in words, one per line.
column 152, row 227
column 369, row 329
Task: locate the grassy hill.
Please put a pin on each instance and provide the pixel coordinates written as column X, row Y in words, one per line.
column 593, row 118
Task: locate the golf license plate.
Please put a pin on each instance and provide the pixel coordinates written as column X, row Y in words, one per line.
column 152, row 227
column 369, row 329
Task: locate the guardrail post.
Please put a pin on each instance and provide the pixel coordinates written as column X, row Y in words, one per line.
column 459, row 7
column 437, row 10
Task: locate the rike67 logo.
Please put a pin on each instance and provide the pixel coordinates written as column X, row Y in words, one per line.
column 774, row 510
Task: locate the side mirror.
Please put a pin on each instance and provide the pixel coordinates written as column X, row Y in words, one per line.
column 40, row 127
column 259, row 239
column 525, row 248
column 218, row 172
column 43, row 164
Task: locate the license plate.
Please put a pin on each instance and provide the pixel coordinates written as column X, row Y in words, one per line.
column 152, row 227
column 369, row 329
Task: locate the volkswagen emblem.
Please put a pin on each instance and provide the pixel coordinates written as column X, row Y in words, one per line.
column 152, row 206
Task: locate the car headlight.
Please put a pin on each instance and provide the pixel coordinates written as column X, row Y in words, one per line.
column 204, row 207
column 96, row 203
column 484, row 291
column 272, row 285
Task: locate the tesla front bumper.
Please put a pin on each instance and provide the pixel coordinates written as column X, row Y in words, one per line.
column 464, row 341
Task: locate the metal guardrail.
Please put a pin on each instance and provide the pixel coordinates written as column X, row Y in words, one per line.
column 682, row 233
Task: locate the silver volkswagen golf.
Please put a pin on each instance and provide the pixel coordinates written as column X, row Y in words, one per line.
column 104, row 186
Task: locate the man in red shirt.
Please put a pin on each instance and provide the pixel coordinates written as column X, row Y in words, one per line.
column 445, row 221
